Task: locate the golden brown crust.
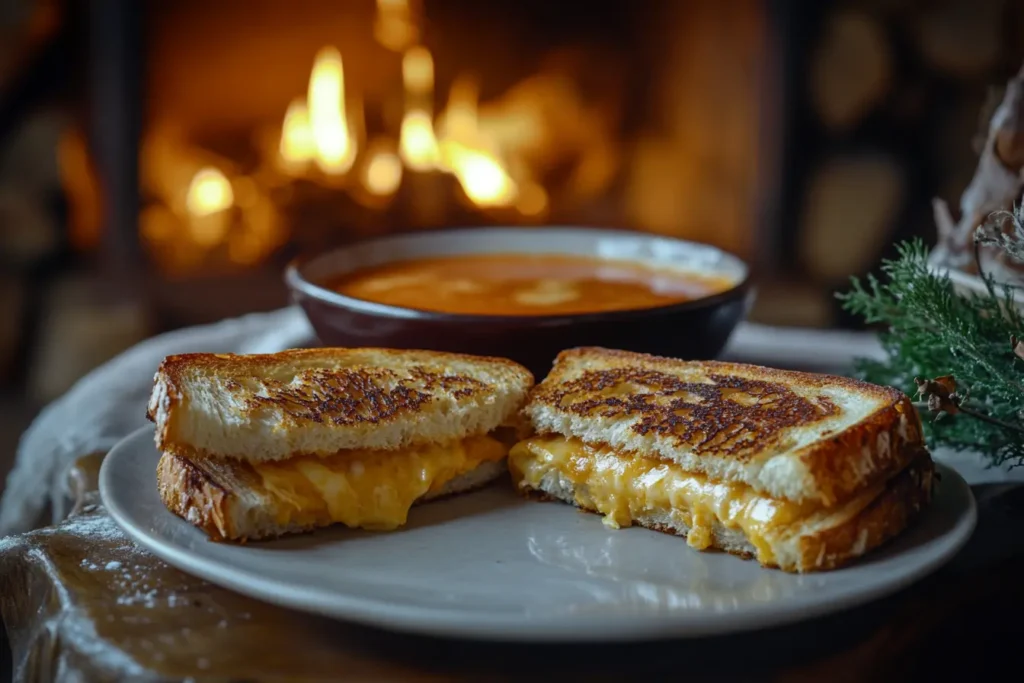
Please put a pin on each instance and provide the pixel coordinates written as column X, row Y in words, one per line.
column 356, row 390
column 165, row 399
column 193, row 495
column 207, row 494
column 838, row 464
column 904, row 497
column 703, row 417
column 613, row 357
column 345, row 395
column 743, row 415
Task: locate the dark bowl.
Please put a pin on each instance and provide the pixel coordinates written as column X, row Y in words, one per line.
column 696, row 329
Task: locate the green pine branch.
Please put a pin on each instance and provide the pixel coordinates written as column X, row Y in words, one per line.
column 930, row 331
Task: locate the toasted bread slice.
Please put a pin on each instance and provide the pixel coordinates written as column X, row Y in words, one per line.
column 321, row 401
column 233, row 500
column 788, row 435
column 825, row 539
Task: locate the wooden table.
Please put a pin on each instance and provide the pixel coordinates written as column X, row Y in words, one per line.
column 81, row 602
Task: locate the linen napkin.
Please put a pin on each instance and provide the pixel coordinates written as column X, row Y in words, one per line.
column 109, row 403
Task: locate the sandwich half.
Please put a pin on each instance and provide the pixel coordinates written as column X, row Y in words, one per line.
column 256, row 446
column 802, row 471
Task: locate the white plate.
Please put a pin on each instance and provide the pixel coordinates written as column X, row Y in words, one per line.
column 490, row 565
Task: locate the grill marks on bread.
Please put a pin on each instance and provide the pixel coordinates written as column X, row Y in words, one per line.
column 786, row 434
column 320, row 401
column 728, row 415
column 351, row 396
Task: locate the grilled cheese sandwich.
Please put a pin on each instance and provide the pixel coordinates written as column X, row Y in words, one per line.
column 692, row 469
column 442, row 423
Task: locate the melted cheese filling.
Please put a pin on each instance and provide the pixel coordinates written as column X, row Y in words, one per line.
column 624, row 488
column 369, row 489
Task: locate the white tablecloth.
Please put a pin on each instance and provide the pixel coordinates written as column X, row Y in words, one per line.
column 110, row 402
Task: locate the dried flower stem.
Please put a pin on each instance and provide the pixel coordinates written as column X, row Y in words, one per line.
column 923, row 406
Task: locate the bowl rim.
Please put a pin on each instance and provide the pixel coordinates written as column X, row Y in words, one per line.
column 296, row 282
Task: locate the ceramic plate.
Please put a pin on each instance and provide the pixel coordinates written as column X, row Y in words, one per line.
column 489, row 565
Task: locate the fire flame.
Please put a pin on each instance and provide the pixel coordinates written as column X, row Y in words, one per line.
column 298, row 146
column 497, row 151
column 335, row 149
column 457, row 147
column 468, row 155
column 417, row 143
column 319, row 129
column 481, row 175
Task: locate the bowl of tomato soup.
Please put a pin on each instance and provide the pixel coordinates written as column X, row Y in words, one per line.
column 525, row 293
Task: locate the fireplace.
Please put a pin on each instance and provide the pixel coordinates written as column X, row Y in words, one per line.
column 267, row 129
column 160, row 162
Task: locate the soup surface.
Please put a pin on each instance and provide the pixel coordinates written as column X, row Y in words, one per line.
column 524, row 284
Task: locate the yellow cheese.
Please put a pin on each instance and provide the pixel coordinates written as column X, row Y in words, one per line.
column 623, row 488
column 369, row 489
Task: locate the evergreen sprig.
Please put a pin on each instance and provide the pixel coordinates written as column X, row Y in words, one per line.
column 931, row 331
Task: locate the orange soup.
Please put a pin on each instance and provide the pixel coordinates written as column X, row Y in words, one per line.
column 524, row 284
